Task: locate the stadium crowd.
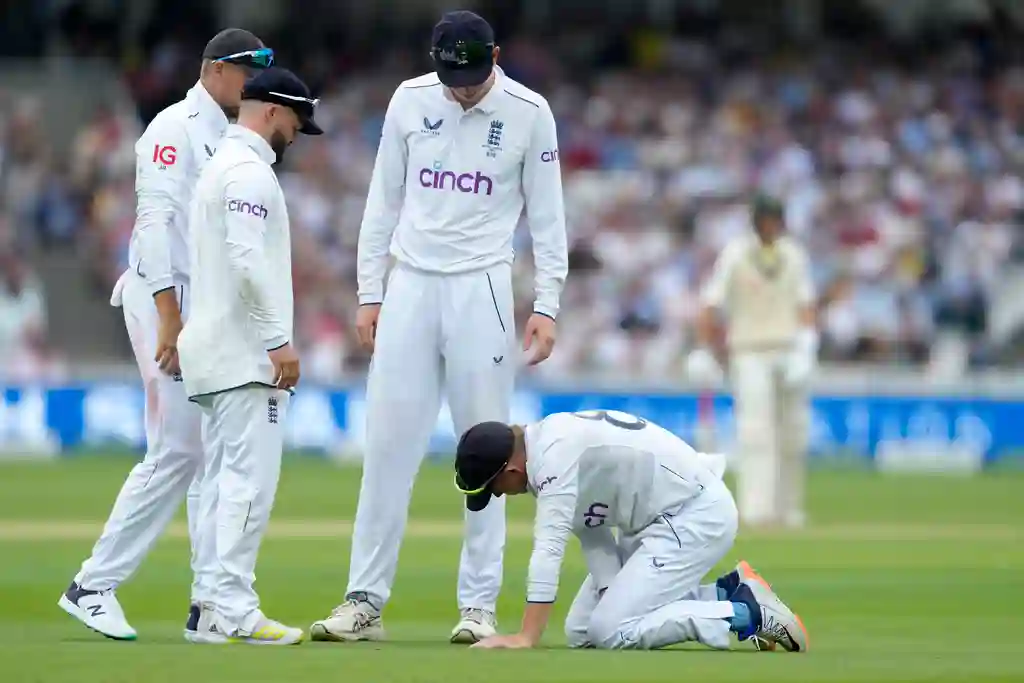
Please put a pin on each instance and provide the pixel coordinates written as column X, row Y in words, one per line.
column 904, row 183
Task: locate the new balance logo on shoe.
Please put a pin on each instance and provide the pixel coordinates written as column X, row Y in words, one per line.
column 95, row 610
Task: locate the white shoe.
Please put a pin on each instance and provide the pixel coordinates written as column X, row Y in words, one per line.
column 475, row 625
column 779, row 624
column 206, row 631
column 269, row 632
column 99, row 610
column 353, row 620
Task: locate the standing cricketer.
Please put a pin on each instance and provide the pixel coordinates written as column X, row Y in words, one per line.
column 155, row 296
column 463, row 152
column 599, row 470
column 762, row 282
column 236, row 353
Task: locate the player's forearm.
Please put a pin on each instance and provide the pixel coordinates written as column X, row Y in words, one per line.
column 167, row 305
column 257, row 282
column 380, row 219
column 152, row 240
column 551, row 264
column 535, row 621
column 705, row 326
column 372, row 261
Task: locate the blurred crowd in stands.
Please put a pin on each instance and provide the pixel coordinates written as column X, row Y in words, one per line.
column 904, row 183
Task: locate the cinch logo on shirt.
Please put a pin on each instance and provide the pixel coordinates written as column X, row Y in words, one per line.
column 242, row 206
column 469, row 183
column 549, row 155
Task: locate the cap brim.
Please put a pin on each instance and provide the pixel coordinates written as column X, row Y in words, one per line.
column 478, row 501
column 309, row 127
column 464, row 78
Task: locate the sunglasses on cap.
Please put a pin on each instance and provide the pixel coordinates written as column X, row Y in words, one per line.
column 468, row 490
column 463, row 55
column 262, row 58
column 311, row 101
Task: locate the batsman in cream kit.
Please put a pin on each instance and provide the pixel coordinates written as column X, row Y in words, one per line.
column 464, row 151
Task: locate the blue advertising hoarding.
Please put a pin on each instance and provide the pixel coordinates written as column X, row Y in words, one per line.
column 53, row 420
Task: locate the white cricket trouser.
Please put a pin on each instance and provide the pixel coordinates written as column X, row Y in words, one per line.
column 172, row 468
column 458, row 329
column 657, row 600
column 245, row 440
column 772, row 429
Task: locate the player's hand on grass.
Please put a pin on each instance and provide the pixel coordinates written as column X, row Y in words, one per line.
column 513, row 642
column 286, row 366
column 539, row 337
column 366, row 325
column 167, row 332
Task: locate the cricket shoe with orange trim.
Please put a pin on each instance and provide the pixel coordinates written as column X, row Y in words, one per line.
column 269, row 632
column 779, row 624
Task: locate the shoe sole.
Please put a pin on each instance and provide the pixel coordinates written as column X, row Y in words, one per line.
column 262, row 643
column 749, row 573
column 464, row 637
column 319, row 633
column 75, row 611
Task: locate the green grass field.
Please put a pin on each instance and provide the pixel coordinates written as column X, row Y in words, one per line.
column 899, row 579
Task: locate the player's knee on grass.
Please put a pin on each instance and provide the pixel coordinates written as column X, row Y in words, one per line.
column 576, row 635
column 608, row 629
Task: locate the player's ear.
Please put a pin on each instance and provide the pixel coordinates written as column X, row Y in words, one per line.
column 495, row 53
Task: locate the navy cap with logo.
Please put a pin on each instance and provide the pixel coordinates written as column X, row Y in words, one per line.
column 483, row 452
column 462, row 47
column 281, row 86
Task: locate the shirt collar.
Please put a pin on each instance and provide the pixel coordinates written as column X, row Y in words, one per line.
column 202, row 102
column 252, row 139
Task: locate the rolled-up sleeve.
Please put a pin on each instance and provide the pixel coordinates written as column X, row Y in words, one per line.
column 161, row 184
column 545, row 212
column 249, row 193
column 383, row 207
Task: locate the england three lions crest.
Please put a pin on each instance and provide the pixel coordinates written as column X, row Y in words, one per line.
column 493, row 144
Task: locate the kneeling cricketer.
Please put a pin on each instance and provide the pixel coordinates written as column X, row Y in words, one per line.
column 595, row 471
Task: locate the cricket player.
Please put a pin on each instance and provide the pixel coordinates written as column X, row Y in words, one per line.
column 463, row 152
column 762, row 282
column 599, row 470
column 154, row 294
column 237, row 358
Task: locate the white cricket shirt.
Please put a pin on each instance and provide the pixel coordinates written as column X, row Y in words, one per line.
column 168, row 159
column 241, row 265
column 450, row 185
column 598, row 470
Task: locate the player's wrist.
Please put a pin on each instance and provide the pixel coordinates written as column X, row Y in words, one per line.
column 276, row 344
column 550, row 316
column 168, row 307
